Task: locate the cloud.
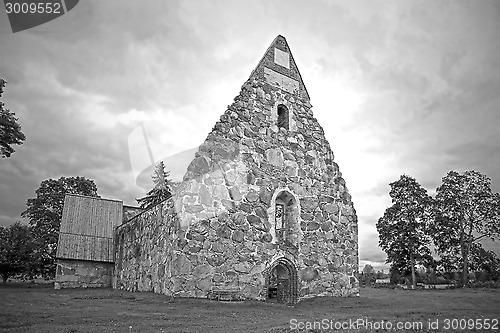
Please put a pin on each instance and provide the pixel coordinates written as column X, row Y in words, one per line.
column 406, row 88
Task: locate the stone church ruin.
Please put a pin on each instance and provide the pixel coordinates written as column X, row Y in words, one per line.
column 262, row 212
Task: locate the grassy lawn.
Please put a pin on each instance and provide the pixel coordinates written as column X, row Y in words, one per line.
column 32, row 308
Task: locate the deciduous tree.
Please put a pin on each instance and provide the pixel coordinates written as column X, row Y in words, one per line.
column 465, row 211
column 485, row 262
column 10, row 130
column 16, row 250
column 45, row 212
column 403, row 228
column 368, row 269
column 368, row 275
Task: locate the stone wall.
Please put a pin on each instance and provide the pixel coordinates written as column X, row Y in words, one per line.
column 83, row 274
column 144, row 250
column 130, row 211
column 223, row 234
column 220, row 228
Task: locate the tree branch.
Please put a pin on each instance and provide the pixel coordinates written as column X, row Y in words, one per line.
column 479, row 237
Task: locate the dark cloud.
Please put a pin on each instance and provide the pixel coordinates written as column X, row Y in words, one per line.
column 428, row 74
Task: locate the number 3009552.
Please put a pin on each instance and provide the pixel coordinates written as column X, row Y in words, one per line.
column 39, row 8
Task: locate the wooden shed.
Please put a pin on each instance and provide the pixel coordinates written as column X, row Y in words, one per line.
column 85, row 250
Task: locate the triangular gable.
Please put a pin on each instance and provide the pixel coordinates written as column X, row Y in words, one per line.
column 278, row 67
column 247, row 140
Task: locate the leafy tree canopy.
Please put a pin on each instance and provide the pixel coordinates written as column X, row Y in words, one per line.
column 45, row 211
column 465, row 211
column 10, row 130
column 16, row 250
column 367, row 276
column 403, row 228
column 368, row 269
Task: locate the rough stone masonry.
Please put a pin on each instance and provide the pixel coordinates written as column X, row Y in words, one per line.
column 263, row 211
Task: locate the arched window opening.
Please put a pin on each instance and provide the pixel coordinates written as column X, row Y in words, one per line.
column 285, row 216
column 282, row 117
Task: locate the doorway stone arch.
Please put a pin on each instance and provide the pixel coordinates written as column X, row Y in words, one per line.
column 282, row 282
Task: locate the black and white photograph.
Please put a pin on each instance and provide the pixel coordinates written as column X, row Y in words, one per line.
column 249, row 166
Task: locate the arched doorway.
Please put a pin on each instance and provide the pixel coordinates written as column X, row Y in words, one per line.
column 282, row 284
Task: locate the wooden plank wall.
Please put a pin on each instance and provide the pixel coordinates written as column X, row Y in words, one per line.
column 87, row 228
column 85, row 247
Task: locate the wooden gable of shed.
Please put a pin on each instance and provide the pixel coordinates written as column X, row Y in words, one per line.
column 87, row 228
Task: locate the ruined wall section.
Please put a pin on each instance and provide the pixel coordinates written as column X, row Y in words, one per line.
column 74, row 273
column 144, row 250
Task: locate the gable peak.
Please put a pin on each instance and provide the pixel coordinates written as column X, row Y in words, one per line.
column 278, row 63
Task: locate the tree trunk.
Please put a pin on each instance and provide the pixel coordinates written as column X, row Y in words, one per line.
column 413, row 277
column 465, row 258
column 467, row 245
column 462, row 253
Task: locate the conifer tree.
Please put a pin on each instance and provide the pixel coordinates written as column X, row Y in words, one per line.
column 162, row 189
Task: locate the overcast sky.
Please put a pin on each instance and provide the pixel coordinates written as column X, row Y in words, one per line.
column 400, row 87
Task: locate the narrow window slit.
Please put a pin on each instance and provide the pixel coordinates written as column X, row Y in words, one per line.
column 282, row 117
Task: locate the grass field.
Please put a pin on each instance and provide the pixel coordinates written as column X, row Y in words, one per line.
column 35, row 308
